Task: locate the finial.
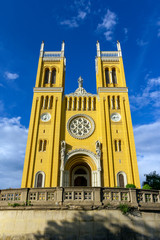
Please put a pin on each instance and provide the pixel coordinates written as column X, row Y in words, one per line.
column 42, row 49
column 80, row 82
column 62, row 49
column 98, row 49
column 119, row 49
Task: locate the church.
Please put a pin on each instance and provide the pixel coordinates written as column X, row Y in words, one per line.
column 80, row 139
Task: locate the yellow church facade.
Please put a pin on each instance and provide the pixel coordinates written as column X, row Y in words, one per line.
column 80, row 139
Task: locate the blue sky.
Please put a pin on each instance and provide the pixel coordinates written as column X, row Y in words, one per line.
column 24, row 24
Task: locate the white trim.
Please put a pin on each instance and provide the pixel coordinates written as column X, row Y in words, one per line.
column 124, row 176
column 112, row 89
column 36, row 177
column 48, row 89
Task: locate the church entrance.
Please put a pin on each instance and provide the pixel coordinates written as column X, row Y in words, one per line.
column 81, row 176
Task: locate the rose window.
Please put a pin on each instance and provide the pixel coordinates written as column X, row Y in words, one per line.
column 80, row 126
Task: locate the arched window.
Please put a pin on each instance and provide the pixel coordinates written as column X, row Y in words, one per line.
column 121, row 179
column 114, row 78
column 40, row 145
column 46, row 102
column 39, row 179
column 119, row 146
column 46, row 77
column 42, row 101
column 44, row 145
column 113, row 102
column 118, row 102
column 89, row 103
column 53, row 79
column 107, row 75
column 75, row 103
column 115, row 144
column 80, row 103
column 51, row 102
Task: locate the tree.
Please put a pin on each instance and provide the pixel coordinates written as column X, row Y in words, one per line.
column 153, row 180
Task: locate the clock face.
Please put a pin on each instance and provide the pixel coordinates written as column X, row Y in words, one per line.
column 45, row 117
column 115, row 117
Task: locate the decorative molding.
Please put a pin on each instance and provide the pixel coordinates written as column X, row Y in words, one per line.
column 82, row 117
column 112, row 89
column 80, row 151
column 52, row 59
column 80, row 92
column 110, row 59
column 48, row 89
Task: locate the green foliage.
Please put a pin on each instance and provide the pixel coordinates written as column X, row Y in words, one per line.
column 28, row 203
column 14, row 204
column 153, row 180
column 124, row 208
column 130, row 186
column 146, row 186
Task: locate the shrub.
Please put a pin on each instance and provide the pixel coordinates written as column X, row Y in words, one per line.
column 146, row 186
column 130, row 186
column 124, row 208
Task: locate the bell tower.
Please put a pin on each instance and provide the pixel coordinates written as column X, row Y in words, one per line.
column 119, row 154
column 42, row 151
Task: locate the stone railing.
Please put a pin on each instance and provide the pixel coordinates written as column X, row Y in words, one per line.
column 79, row 196
column 52, row 54
column 109, row 54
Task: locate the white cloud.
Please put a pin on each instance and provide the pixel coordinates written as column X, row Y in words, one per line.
column 147, row 140
column 82, row 8
column 149, row 95
column 141, row 42
column 72, row 23
column 11, row 76
column 108, row 24
column 12, row 151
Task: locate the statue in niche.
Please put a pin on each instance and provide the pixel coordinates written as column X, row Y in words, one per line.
column 63, row 150
column 98, row 148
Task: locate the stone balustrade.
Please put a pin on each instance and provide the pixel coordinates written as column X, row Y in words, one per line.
column 93, row 196
column 109, row 54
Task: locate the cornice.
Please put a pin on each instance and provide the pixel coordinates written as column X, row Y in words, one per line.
column 112, row 89
column 48, row 89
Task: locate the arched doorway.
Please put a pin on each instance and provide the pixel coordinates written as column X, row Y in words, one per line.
column 81, row 176
column 79, row 159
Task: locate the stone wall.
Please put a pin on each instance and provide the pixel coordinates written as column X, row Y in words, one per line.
column 78, row 224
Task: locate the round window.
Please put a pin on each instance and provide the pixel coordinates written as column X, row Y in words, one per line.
column 80, row 126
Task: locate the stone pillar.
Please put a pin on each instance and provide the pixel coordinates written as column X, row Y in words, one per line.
column 133, row 196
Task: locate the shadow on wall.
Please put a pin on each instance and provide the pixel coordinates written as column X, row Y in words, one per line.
column 87, row 225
